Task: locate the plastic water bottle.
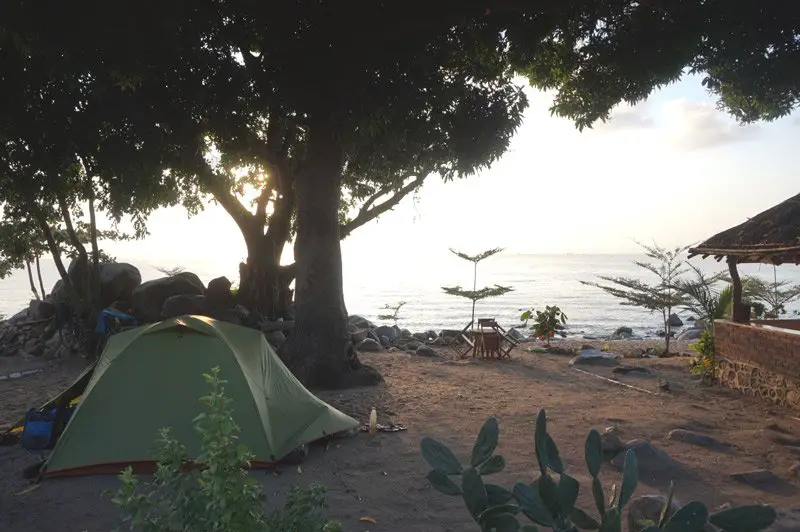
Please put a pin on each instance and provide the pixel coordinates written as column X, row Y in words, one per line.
column 373, row 422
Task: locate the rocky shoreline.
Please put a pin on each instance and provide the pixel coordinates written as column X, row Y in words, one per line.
column 39, row 332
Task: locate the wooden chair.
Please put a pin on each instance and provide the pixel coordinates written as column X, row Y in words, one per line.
column 496, row 340
column 463, row 338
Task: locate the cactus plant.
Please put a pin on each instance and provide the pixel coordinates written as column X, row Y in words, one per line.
column 550, row 503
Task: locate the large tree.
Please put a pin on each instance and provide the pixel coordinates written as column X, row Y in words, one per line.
column 322, row 96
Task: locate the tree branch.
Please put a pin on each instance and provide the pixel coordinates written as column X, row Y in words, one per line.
column 73, row 236
column 367, row 213
column 223, row 196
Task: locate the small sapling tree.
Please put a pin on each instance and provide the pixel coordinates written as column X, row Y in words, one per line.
column 546, row 323
column 662, row 295
column 395, row 312
column 476, row 294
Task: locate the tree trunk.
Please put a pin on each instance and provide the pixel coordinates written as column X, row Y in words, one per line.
column 39, row 275
column 739, row 313
column 320, row 351
column 94, row 270
column 56, row 253
column 30, row 279
column 263, row 282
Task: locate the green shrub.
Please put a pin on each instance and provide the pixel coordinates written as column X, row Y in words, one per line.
column 220, row 495
column 547, row 323
column 550, row 503
column 706, row 365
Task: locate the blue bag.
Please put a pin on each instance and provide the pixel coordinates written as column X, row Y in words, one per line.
column 38, row 430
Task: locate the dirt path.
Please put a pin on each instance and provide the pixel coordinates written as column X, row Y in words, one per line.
column 383, row 476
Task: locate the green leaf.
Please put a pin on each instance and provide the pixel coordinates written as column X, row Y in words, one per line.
column 599, row 496
column 498, row 494
column 486, row 442
column 502, row 522
column 540, row 440
column 553, row 456
column 744, row 518
column 531, row 504
column 548, row 491
column 442, row 483
column 493, row 465
column 567, row 494
column 690, row 518
column 583, row 520
column 593, row 450
column 440, row 457
column 630, row 477
column 492, row 511
column 474, row 492
column 612, row 521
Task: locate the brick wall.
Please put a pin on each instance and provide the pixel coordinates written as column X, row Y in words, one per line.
column 773, row 350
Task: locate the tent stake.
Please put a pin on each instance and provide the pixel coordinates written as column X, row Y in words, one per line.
column 612, row 381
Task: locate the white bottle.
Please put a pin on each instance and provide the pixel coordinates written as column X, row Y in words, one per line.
column 373, row 422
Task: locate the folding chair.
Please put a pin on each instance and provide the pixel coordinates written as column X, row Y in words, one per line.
column 463, row 337
column 494, row 342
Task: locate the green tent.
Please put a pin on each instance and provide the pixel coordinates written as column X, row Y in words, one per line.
column 150, row 377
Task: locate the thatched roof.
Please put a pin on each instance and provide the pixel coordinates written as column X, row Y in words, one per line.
column 771, row 237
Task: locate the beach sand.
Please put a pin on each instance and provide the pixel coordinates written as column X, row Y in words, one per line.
column 383, row 476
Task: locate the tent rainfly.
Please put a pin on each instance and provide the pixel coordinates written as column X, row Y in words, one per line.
column 770, row 237
column 150, row 378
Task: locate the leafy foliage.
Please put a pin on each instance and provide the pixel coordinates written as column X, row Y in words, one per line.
column 218, row 496
column 702, row 298
column 171, row 272
column 661, row 296
column 394, row 316
column 551, row 503
column 775, row 295
column 476, row 294
column 546, row 323
column 706, row 365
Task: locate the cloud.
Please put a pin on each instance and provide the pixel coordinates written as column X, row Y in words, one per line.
column 626, row 117
column 694, row 125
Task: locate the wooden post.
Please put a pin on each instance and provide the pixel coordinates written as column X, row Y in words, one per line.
column 740, row 313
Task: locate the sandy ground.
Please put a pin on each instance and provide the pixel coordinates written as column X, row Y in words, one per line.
column 383, row 476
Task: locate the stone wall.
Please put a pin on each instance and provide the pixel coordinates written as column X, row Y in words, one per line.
column 760, row 362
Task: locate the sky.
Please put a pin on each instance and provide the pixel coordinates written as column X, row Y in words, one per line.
column 672, row 169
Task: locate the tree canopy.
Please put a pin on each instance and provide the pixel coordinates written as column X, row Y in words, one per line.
column 325, row 106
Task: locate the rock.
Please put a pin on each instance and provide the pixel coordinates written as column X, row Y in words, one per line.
column 361, row 323
column 219, row 289
column 184, row 304
column 359, row 335
column 514, row 334
column 449, row 334
column 693, row 333
column 275, row 338
column 755, row 477
column 118, row 280
column 675, row 321
column 648, row 508
column 691, row 318
column 41, row 310
column 693, row 438
column 611, row 443
column 662, row 334
column 593, row 357
column 794, row 469
column 426, row 351
column 406, row 334
column 413, row 345
column 421, row 337
column 385, row 341
column 389, row 332
column 625, row 370
column 369, row 345
column 148, row 298
column 34, row 347
column 192, row 278
column 788, row 521
column 654, row 464
column 237, row 315
column 622, row 333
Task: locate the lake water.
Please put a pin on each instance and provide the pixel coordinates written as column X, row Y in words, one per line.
column 537, row 280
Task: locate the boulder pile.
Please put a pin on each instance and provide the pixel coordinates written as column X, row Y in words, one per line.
column 37, row 331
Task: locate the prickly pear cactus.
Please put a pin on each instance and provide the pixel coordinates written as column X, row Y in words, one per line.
column 549, row 501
